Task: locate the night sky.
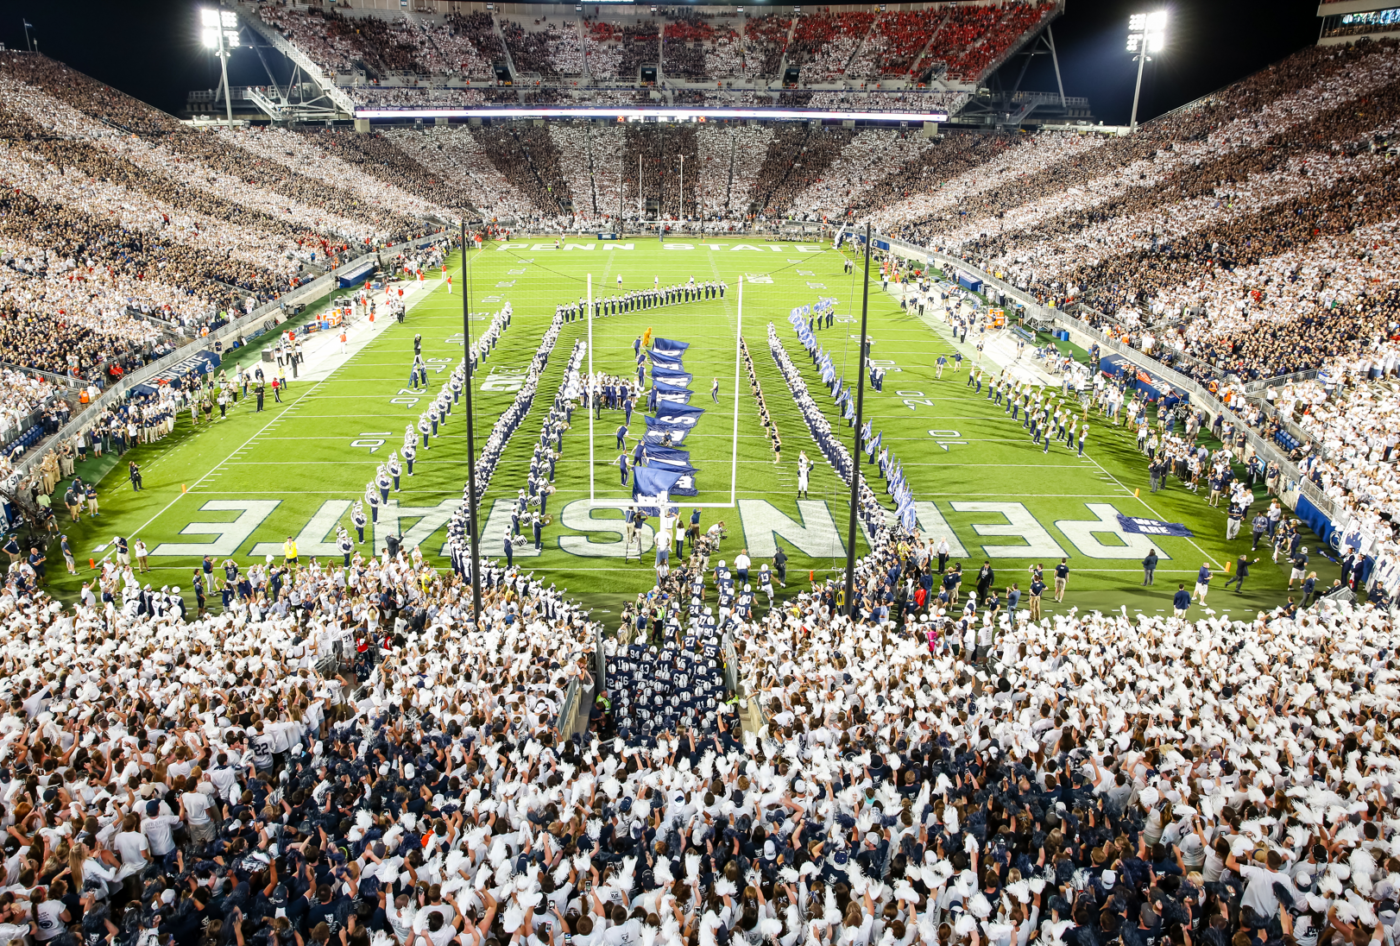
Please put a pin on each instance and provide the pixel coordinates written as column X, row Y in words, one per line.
column 149, row 48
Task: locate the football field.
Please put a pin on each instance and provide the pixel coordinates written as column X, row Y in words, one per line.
column 239, row 488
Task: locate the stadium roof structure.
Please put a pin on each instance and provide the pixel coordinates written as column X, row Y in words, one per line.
column 624, row 61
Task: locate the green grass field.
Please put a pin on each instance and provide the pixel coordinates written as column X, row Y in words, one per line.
column 240, row 488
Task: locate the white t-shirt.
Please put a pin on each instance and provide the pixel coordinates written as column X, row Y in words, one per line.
column 48, row 916
column 132, row 846
column 196, row 807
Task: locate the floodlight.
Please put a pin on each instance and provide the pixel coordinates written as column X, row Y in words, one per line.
column 229, row 19
column 211, row 38
column 209, row 17
column 1147, row 34
column 231, row 38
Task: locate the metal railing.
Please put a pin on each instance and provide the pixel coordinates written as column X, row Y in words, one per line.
column 117, row 389
column 1257, row 388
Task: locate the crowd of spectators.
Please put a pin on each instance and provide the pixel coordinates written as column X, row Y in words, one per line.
column 23, row 394
column 751, row 146
column 457, row 159
column 1350, row 415
column 659, row 148
column 548, row 50
column 414, row 96
column 823, row 42
column 975, row 38
column 694, row 47
column 880, row 101
column 765, row 41
column 525, row 155
column 1269, row 239
column 640, row 46
column 461, row 45
column 853, row 171
column 602, row 43
column 970, row 40
column 797, row 161
column 342, row 748
column 573, row 146
column 906, row 33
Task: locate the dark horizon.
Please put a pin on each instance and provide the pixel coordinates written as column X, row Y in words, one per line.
column 150, row 49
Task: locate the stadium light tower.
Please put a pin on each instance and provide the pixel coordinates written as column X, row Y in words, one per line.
column 220, row 34
column 1147, row 33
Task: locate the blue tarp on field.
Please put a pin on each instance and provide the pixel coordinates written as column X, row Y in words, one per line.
column 357, row 275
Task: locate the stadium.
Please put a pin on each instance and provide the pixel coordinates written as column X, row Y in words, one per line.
column 604, row 473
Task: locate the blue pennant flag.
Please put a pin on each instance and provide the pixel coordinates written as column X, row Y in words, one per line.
column 1141, row 526
column 668, row 456
column 681, row 415
column 648, row 482
column 672, row 377
column 685, row 486
column 663, row 388
column 666, row 344
column 658, row 429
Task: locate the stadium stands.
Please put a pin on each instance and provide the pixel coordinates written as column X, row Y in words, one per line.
column 696, row 47
column 393, row 59
column 823, row 42
column 545, row 48
column 765, row 40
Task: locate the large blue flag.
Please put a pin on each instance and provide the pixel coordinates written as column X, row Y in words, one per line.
column 1143, row 526
column 672, row 377
column 685, row 486
column 662, row 358
column 649, row 482
column 680, row 415
column 668, row 456
column 663, row 388
column 658, row 428
column 667, row 344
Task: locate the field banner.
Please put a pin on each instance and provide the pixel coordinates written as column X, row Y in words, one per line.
column 668, row 456
column 1141, row 526
column 666, row 344
column 665, row 359
column 679, row 415
column 658, row 430
column 678, row 378
column 673, row 393
column 648, row 482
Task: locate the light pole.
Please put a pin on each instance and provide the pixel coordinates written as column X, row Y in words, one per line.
column 474, row 533
column 221, row 35
column 850, row 601
column 1147, row 33
column 682, row 188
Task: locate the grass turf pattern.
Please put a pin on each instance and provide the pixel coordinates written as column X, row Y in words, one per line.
column 240, row 487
